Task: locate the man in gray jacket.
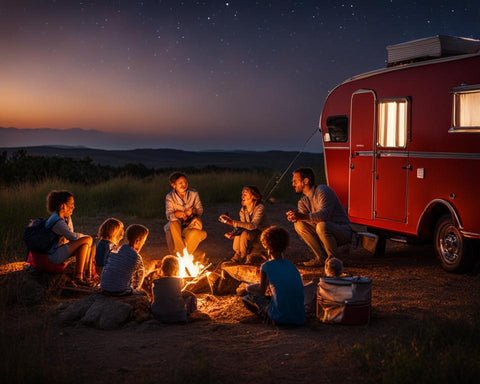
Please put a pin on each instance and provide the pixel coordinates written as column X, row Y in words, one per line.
column 320, row 219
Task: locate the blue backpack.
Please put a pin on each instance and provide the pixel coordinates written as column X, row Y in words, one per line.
column 38, row 237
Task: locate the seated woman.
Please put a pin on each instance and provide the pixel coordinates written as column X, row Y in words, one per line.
column 252, row 222
column 61, row 205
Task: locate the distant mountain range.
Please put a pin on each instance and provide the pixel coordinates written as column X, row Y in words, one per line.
column 174, row 158
column 53, row 142
column 78, row 137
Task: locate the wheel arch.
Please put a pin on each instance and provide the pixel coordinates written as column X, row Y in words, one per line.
column 430, row 215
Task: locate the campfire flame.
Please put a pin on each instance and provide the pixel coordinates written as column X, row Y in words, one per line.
column 188, row 268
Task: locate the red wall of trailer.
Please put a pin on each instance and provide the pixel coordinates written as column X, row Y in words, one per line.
column 457, row 181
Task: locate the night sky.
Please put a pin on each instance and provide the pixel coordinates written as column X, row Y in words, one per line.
column 201, row 74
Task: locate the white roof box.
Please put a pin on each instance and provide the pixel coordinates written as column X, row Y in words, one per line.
column 430, row 47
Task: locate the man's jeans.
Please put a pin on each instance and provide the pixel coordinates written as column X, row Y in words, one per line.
column 324, row 237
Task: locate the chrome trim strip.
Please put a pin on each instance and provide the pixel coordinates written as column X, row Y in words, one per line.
column 450, row 208
column 470, row 234
column 392, row 154
column 406, row 66
column 427, row 155
column 446, row 155
column 464, row 130
column 364, row 153
column 335, row 147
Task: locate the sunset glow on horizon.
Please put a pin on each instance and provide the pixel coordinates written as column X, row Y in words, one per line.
column 246, row 74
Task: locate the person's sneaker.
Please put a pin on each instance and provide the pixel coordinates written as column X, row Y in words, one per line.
column 313, row 263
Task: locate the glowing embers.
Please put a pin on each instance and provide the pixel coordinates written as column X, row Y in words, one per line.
column 188, row 268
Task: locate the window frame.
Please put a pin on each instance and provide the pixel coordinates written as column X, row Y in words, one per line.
column 464, row 89
column 347, row 127
column 405, row 99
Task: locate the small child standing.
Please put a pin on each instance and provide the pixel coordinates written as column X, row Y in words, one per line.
column 287, row 303
column 110, row 234
column 170, row 304
column 124, row 272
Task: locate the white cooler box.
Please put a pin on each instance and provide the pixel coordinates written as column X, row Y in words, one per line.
column 345, row 300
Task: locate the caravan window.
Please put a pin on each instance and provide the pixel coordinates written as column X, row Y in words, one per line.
column 337, row 127
column 392, row 118
column 466, row 109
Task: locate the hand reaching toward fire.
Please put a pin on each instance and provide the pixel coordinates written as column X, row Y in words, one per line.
column 225, row 219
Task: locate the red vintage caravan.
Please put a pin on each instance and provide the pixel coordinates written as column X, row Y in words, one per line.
column 402, row 144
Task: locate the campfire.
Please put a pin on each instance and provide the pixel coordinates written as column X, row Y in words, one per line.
column 189, row 268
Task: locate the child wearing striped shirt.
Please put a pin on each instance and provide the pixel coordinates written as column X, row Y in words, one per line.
column 124, row 271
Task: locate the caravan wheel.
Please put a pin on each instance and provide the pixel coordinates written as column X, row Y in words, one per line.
column 453, row 250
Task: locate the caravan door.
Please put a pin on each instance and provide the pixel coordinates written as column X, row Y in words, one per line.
column 392, row 165
column 361, row 174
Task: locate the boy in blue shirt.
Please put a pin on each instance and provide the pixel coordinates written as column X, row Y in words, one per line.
column 124, row 271
column 287, row 303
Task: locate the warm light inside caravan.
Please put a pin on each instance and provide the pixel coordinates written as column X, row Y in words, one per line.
column 392, row 123
column 467, row 108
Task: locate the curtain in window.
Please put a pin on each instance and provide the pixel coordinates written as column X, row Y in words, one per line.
column 392, row 123
column 467, row 109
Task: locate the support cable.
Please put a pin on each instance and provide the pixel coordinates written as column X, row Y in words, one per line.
column 279, row 179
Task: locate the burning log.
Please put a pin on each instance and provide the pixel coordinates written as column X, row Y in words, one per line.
column 198, row 285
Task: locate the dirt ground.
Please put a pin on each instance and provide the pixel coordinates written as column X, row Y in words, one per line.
column 409, row 287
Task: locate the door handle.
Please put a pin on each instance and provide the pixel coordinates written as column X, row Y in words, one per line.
column 407, row 167
column 352, row 166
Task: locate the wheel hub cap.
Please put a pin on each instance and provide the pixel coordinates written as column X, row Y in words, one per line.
column 450, row 246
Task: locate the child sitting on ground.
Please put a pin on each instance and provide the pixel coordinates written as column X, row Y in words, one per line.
column 287, row 303
column 334, row 267
column 124, row 272
column 110, row 234
column 170, row 304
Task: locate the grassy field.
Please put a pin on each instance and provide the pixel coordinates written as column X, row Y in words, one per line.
column 440, row 348
column 143, row 198
column 434, row 352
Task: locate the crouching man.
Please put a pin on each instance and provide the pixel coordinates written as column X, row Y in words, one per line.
column 320, row 219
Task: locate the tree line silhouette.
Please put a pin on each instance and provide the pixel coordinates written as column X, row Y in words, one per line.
column 21, row 167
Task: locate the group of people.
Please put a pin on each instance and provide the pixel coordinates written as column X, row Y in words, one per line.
column 320, row 220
